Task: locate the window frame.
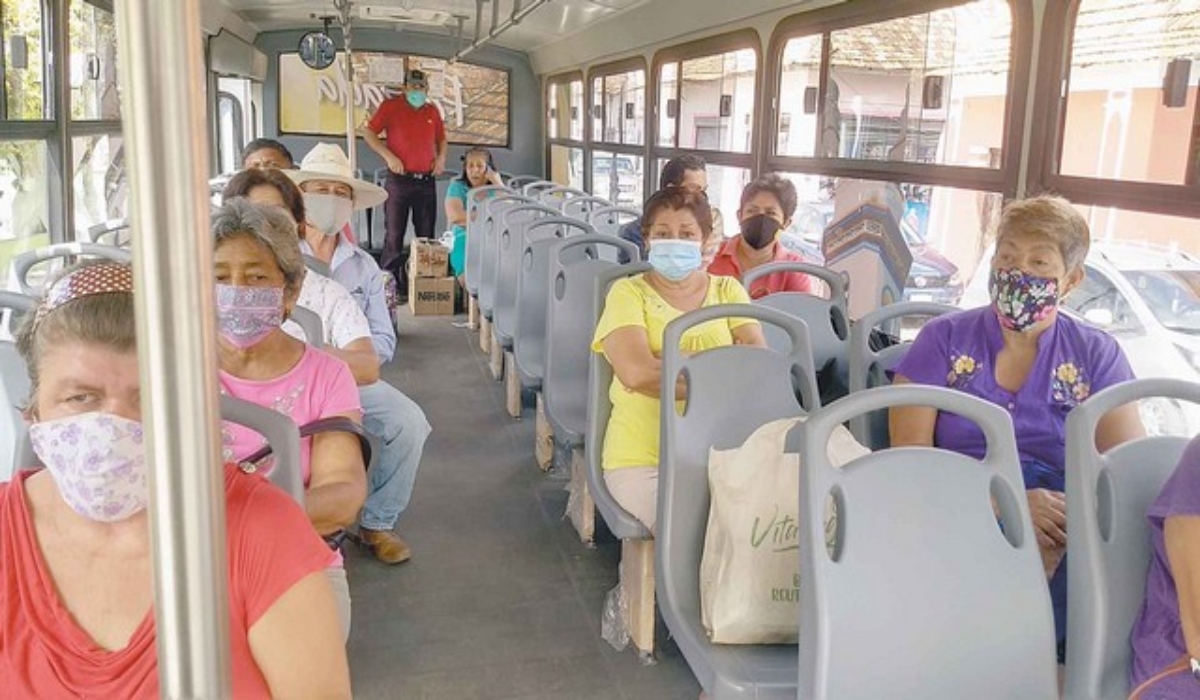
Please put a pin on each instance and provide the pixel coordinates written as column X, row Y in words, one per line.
column 558, row 80
column 1005, row 179
column 599, row 72
column 1049, row 132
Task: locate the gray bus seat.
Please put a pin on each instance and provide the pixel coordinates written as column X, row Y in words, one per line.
column 114, row 232
column 555, row 197
column 535, row 188
column 869, row 368
column 378, row 232
column 281, row 434
column 476, row 221
column 580, row 207
column 311, row 324
column 570, row 321
column 1110, row 537
column 318, row 266
column 23, row 263
column 913, row 601
column 489, row 261
column 510, row 247
column 14, row 387
column 517, row 182
column 505, row 176
column 538, row 287
column 609, row 220
column 732, row 391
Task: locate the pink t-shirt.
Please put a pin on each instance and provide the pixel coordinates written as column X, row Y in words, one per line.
column 319, row 386
column 45, row 654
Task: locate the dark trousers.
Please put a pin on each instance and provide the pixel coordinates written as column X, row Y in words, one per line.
column 407, row 194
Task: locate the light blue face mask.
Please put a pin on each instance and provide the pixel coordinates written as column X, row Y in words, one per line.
column 416, row 98
column 673, row 258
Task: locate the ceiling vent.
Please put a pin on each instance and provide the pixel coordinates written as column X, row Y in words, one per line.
column 404, row 13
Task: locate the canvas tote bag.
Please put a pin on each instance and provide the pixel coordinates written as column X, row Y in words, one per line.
column 750, row 569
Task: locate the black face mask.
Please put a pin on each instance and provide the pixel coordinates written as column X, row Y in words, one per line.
column 759, row 231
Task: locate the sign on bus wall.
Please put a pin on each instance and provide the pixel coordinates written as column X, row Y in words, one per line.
column 473, row 99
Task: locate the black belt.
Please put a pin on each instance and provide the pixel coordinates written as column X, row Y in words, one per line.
column 421, row 177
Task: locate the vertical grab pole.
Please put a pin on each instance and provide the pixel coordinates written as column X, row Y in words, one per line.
column 162, row 74
column 343, row 8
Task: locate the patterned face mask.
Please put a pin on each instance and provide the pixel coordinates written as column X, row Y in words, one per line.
column 1022, row 300
column 247, row 315
column 98, row 461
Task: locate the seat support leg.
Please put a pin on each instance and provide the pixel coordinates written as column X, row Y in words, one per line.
column 580, row 507
column 512, row 385
column 543, row 435
column 497, row 358
column 485, row 334
column 637, row 586
column 472, row 313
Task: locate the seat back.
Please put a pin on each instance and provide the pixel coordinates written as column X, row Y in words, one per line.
column 869, row 368
column 570, row 321
column 114, row 232
column 24, row 263
column 609, row 220
column 536, row 187
column 581, row 207
column 493, row 212
column 533, row 292
column 14, row 390
column 557, row 196
column 517, row 182
column 310, row 322
column 828, row 324
column 514, row 235
column 731, row 392
column 318, row 266
column 953, row 605
column 1110, row 537
column 477, row 221
column 281, row 434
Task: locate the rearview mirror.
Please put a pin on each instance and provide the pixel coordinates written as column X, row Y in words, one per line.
column 1099, row 317
column 317, row 50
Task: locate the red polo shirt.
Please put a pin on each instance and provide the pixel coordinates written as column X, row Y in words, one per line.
column 726, row 263
column 412, row 134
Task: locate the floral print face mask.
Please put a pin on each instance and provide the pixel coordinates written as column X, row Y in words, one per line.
column 1022, row 300
column 98, row 461
column 247, row 315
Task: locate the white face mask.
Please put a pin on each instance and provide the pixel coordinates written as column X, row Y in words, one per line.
column 328, row 213
column 98, row 461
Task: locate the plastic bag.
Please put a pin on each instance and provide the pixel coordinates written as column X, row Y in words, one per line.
column 612, row 619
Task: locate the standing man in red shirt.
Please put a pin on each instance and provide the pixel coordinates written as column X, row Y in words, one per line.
column 415, row 154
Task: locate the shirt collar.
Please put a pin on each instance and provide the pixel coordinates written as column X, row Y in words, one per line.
column 728, row 252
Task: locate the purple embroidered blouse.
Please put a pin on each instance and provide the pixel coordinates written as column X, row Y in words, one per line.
column 959, row 351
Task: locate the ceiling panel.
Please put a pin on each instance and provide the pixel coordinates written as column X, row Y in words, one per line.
column 548, row 23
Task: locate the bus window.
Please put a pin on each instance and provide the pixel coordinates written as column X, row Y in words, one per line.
column 668, row 103
column 1132, row 92
column 93, row 63
column 100, row 187
column 231, row 136
column 716, row 101
column 24, row 74
column 621, row 117
column 799, row 78
column 927, row 88
column 566, row 166
column 24, row 199
column 617, row 177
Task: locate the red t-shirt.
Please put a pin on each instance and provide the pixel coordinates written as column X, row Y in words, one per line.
column 412, row 134
column 726, row 263
column 44, row 654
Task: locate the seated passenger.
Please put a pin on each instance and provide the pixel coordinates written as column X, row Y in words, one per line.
column 1021, row 354
column 630, row 334
column 331, row 193
column 478, row 171
column 258, row 272
column 686, row 171
column 266, row 153
column 1166, row 636
column 76, row 577
column 766, row 210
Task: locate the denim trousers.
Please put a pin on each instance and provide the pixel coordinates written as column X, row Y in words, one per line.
column 401, row 428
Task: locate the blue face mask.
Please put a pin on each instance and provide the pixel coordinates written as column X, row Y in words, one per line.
column 675, row 259
column 416, row 98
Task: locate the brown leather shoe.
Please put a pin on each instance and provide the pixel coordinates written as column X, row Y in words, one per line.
column 385, row 545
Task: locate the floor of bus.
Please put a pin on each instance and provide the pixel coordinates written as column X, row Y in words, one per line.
column 500, row 599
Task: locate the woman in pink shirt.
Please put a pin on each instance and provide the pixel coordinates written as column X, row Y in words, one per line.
column 258, row 271
column 76, row 584
column 766, row 210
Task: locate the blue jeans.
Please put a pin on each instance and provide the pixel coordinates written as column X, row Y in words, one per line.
column 401, row 427
column 1038, row 475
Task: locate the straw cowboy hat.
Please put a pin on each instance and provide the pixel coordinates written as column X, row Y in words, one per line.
column 327, row 161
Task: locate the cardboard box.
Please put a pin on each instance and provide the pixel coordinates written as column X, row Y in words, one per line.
column 431, row 296
column 866, row 244
column 428, row 259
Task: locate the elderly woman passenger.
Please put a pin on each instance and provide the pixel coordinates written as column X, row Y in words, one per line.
column 75, row 565
column 258, row 272
column 1021, row 354
column 630, row 334
column 478, row 171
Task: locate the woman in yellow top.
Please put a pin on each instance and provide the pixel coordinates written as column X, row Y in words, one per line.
column 675, row 222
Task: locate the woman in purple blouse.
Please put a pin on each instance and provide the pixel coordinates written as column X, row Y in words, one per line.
column 1166, row 636
column 1020, row 353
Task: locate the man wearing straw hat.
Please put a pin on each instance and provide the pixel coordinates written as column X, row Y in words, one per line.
column 331, row 195
column 415, row 153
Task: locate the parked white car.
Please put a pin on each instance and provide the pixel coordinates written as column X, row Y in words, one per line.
column 1146, row 297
